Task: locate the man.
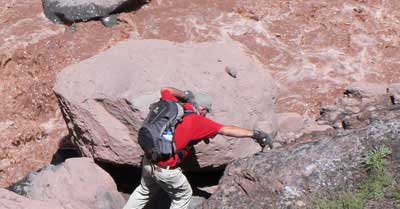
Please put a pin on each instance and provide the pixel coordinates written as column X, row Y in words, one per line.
column 167, row 175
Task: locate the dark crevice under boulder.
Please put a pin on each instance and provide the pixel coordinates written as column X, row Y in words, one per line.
column 128, row 177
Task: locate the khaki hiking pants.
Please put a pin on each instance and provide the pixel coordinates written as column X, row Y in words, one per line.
column 155, row 178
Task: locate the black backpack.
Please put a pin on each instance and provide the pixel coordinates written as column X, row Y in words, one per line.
column 155, row 136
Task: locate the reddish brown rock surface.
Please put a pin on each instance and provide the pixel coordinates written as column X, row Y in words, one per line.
column 313, row 49
column 32, row 51
column 299, row 176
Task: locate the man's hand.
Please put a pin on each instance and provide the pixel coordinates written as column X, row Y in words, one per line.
column 262, row 138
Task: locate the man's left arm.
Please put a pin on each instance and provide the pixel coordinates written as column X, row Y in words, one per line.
column 260, row 137
column 235, row 131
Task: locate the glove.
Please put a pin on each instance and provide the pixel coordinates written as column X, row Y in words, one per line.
column 189, row 97
column 262, row 138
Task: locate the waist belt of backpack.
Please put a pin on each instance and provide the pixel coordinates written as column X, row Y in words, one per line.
column 181, row 153
column 188, row 112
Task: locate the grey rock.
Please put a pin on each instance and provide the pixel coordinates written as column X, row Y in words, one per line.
column 354, row 108
column 69, row 11
column 77, row 183
column 284, row 178
column 196, row 202
column 348, row 101
column 110, row 21
column 105, row 98
column 291, row 126
column 11, row 200
column 330, row 114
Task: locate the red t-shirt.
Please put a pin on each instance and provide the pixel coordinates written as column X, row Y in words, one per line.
column 193, row 128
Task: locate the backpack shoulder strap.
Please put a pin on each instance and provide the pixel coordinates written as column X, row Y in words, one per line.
column 181, row 111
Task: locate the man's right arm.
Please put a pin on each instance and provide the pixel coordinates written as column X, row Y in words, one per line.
column 175, row 92
column 183, row 96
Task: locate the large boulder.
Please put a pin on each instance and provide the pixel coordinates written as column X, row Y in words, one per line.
column 68, row 11
column 355, row 108
column 298, row 176
column 105, row 98
column 11, row 200
column 366, row 92
column 77, row 183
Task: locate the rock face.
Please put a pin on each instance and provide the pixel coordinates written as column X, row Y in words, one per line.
column 296, row 176
column 10, row 200
column 356, row 107
column 105, row 98
column 293, row 125
column 77, row 183
column 68, row 11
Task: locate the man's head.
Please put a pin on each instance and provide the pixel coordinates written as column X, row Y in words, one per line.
column 204, row 103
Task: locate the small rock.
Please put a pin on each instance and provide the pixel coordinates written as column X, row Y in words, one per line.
column 196, row 201
column 349, row 101
column 338, row 125
column 4, row 163
column 110, row 21
column 5, row 125
column 352, row 110
column 300, row 204
column 231, row 71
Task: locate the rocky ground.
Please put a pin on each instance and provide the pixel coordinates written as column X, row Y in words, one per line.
column 313, row 50
column 32, row 51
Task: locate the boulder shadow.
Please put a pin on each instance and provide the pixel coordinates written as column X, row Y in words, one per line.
column 66, row 149
column 201, row 179
column 127, row 177
column 130, row 6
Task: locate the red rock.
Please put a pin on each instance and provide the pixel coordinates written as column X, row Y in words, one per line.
column 10, row 200
column 77, row 183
